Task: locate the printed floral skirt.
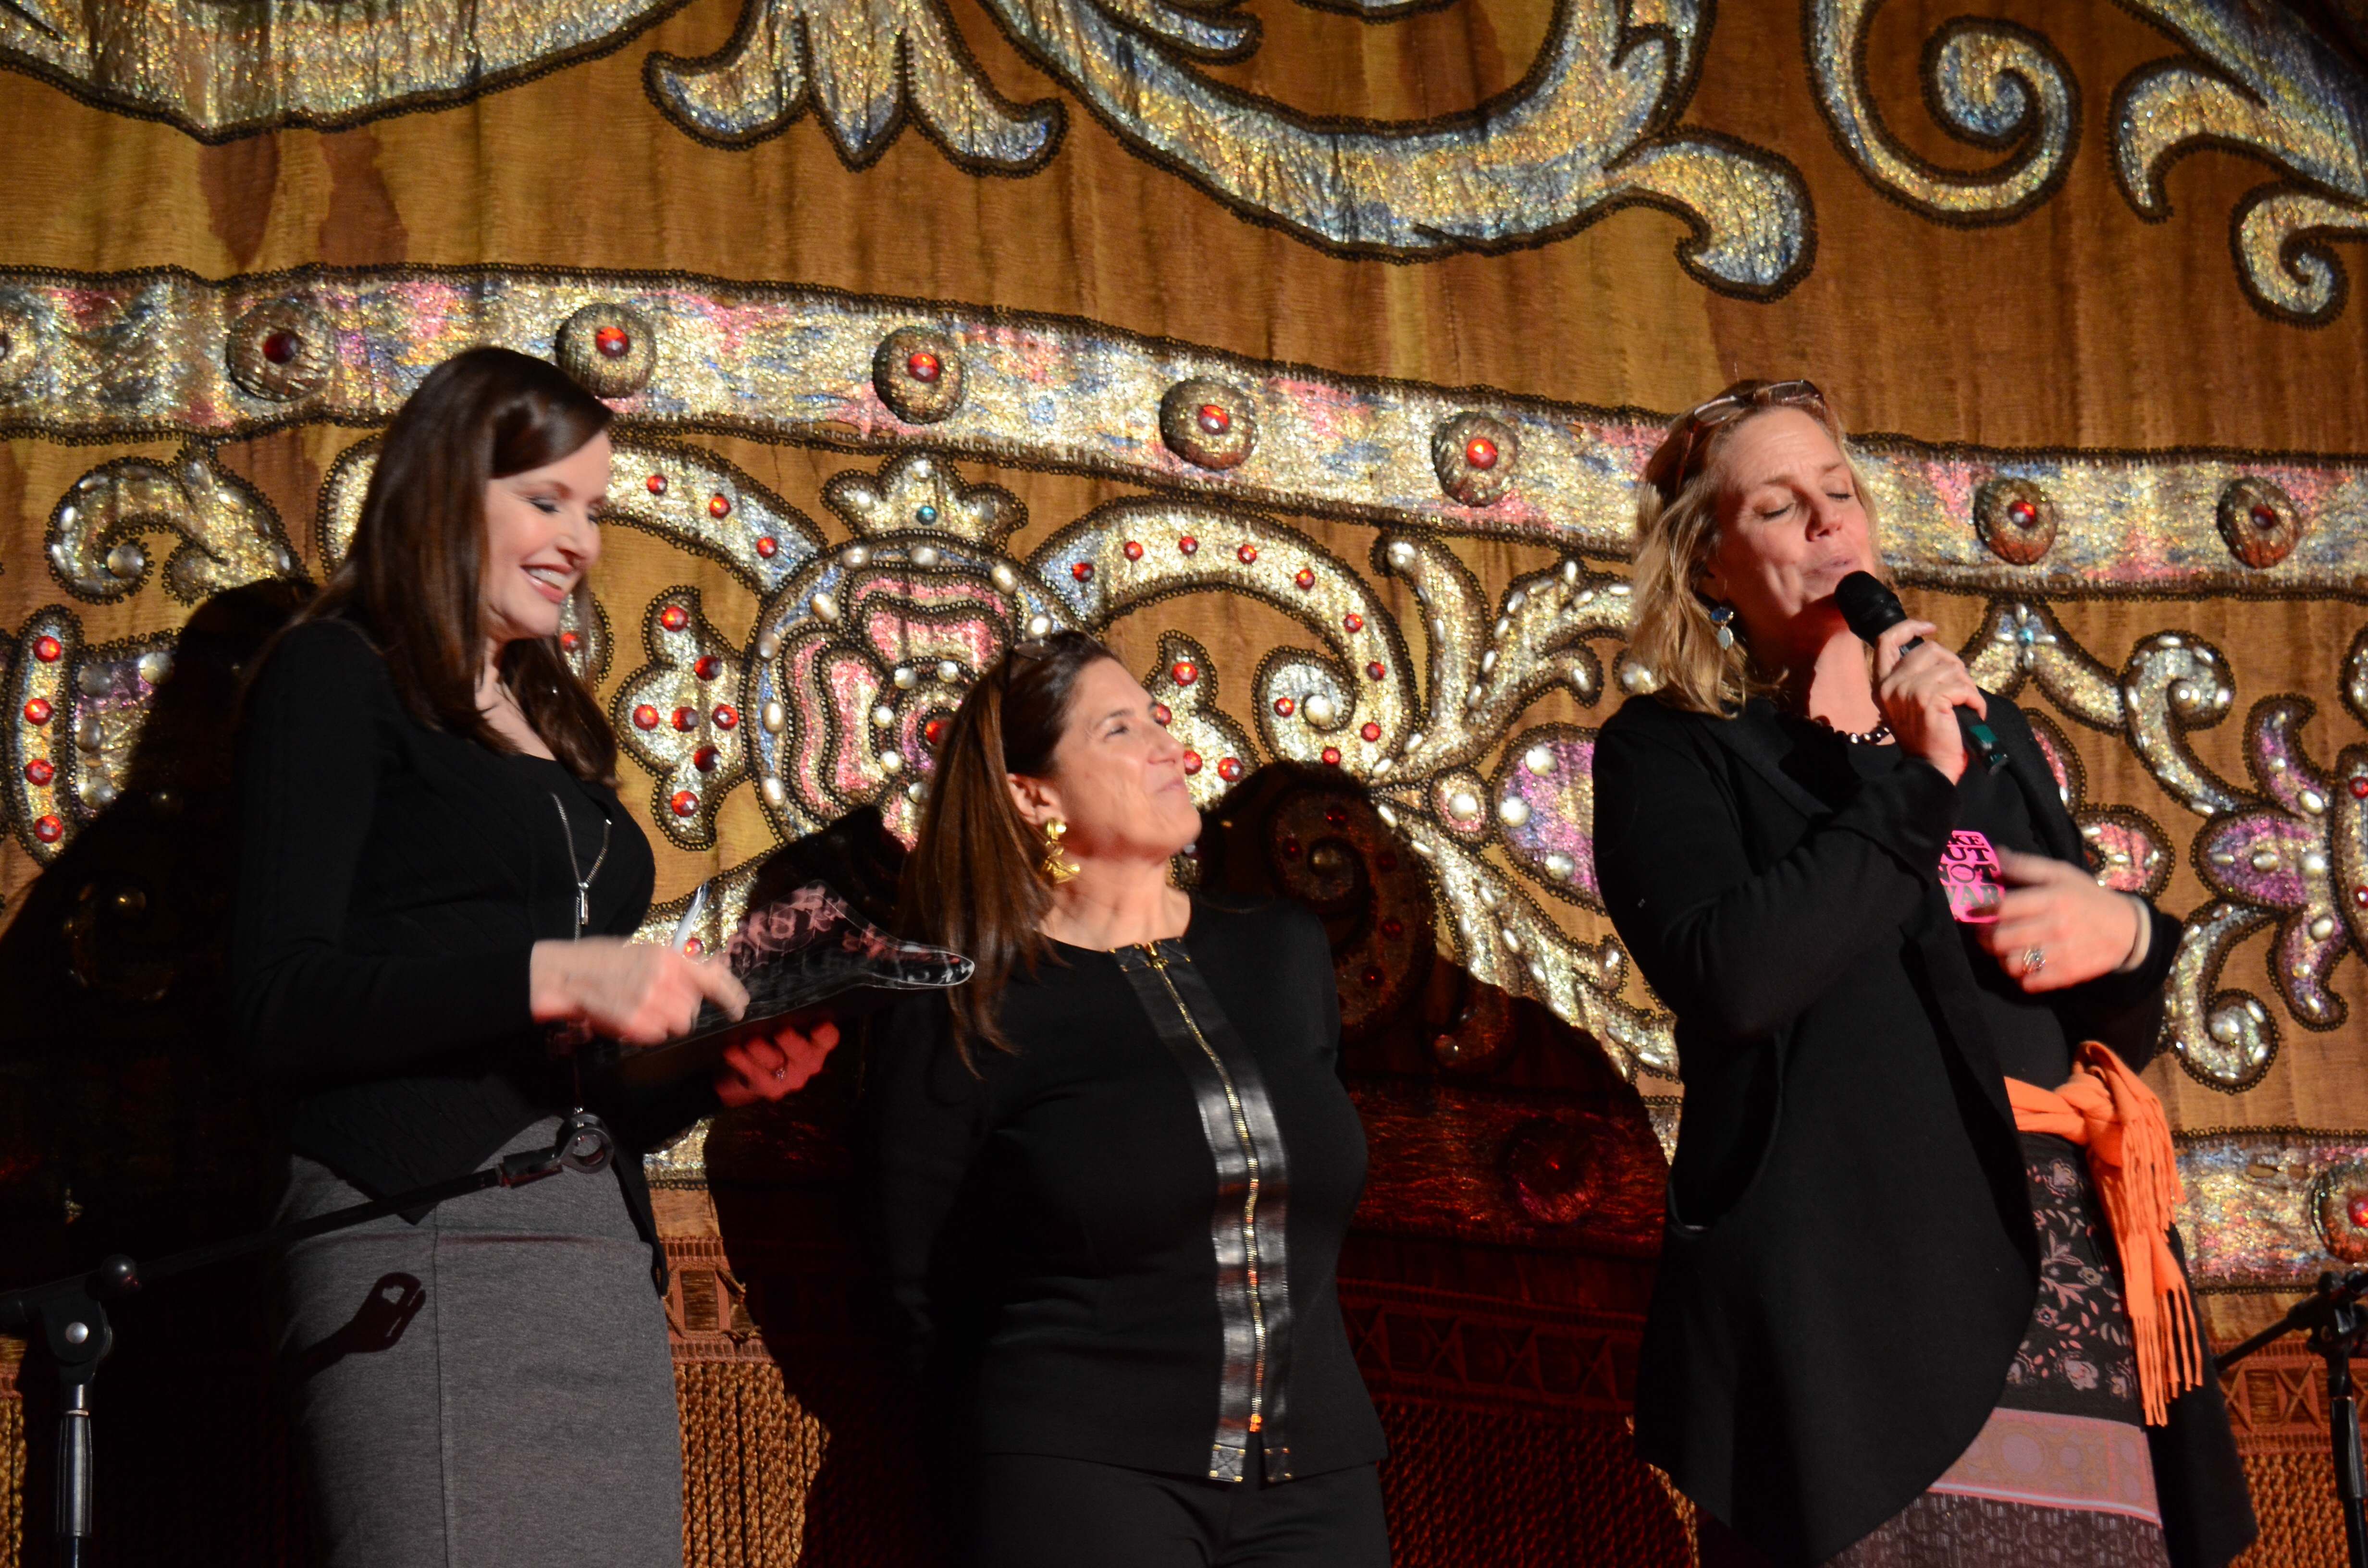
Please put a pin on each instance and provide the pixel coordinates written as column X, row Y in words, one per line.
column 2059, row 1476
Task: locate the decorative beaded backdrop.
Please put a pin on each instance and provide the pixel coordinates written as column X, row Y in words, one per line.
column 1307, row 350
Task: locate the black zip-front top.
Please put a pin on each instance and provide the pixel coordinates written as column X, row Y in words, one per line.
column 1121, row 1237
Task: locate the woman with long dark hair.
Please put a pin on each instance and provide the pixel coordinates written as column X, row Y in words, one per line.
column 1919, row 1303
column 436, row 885
column 1112, row 1173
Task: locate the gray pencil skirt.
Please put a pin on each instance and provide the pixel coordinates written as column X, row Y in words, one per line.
column 490, row 1386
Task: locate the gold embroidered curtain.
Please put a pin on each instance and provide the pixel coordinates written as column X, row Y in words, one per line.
column 926, row 319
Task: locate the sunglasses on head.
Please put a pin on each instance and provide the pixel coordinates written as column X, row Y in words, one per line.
column 1687, row 437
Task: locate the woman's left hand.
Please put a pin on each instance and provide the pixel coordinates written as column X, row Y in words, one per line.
column 767, row 1069
column 2056, row 912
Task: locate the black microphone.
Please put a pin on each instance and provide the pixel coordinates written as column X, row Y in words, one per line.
column 1872, row 610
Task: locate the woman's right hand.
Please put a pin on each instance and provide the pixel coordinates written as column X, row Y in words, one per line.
column 635, row 992
column 1919, row 693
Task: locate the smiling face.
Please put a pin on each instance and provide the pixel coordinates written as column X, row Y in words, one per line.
column 543, row 534
column 1118, row 775
column 1791, row 524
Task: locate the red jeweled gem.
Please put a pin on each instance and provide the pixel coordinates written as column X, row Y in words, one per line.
column 726, row 717
column 48, row 650
column 1132, row 548
column 1337, row 815
column 657, row 482
column 2359, row 897
column 49, row 829
column 613, row 342
column 719, row 505
column 767, row 546
column 1191, row 762
column 1159, row 713
column 1353, row 621
column 2265, row 516
column 1187, row 545
column 1331, row 756
column 705, row 758
column 1229, row 769
column 1304, row 577
column 923, row 365
column 1374, row 976
column 1377, row 669
column 1371, row 731
column 2358, row 1209
column 570, row 640
column 1215, row 419
column 39, row 771
column 934, row 731
column 645, row 717
column 1082, row 571
column 2024, row 513
column 686, row 719
column 1246, row 554
column 283, row 347
column 1184, row 672
column 674, row 617
column 2359, row 786
column 1480, row 452
column 1285, row 707
column 1394, row 927
column 693, row 945
column 37, row 711
column 708, row 667
column 685, row 802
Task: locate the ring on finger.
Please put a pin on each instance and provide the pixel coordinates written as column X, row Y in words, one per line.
column 2035, row 958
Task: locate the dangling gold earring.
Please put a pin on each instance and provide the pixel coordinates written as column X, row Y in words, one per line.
column 1057, row 867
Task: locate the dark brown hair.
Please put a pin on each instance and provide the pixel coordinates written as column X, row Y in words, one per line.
column 417, row 565
column 972, row 882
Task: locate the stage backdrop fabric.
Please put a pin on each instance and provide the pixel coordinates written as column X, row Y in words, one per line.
column 1306, row 351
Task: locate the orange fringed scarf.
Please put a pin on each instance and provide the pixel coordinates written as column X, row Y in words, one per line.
column 2104, row 1109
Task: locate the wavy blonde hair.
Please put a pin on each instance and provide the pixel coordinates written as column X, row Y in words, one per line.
column 1672, row 635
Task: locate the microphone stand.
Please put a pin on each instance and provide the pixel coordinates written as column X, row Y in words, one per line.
column 2335, row 1318
column 72, row 1312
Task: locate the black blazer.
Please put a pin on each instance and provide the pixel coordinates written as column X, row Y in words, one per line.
column 392, row 880
column 1849, row 1261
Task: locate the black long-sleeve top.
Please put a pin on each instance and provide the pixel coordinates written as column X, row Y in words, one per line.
column 1850, row 1262
column 392, row 880
column 1064, row 1229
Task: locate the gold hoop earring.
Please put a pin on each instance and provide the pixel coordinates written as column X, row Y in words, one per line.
column 1057, row 867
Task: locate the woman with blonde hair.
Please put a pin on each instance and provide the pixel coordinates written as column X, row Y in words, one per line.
column 1919, row 1301
column 1113, row 1171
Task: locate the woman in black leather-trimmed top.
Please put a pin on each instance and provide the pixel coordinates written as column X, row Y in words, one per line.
column 1112, row 1174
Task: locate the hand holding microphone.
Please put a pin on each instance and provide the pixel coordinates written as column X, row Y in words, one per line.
column 1925, row 691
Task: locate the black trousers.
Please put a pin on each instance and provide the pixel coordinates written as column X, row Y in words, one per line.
column 1034, row 1511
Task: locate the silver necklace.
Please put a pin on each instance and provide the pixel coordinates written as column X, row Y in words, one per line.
column 582, row 880
column 1876, row 737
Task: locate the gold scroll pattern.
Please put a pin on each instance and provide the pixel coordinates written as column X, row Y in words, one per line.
column 2256, row 80
column 1591, row 128
column 1990, row 82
